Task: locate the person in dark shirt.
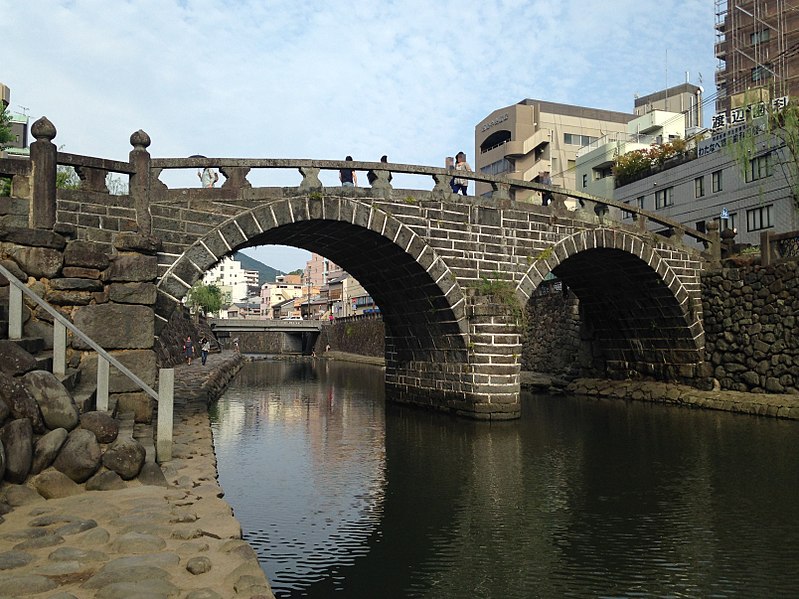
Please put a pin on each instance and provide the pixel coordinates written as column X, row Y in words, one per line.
column 372, row 176
column 347, row 176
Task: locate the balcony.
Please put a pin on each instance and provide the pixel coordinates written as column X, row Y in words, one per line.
column 720, row 50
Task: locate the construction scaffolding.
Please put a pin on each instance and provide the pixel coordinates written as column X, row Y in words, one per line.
column 756, row 45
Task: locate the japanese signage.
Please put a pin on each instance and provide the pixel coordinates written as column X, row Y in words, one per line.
column 738, row 116
column 495, row 121
column 726, row 136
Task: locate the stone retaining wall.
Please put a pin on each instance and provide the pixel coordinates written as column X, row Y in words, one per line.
column 363, row 335
column 551, row 342
column 761, row 404
column 752, row 327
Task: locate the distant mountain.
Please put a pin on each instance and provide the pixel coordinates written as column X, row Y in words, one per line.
column 265, row 273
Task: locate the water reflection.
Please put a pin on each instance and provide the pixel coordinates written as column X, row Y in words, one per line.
column 579, row 498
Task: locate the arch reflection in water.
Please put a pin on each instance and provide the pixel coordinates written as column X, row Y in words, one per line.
column 579, row 498
column 301, row 453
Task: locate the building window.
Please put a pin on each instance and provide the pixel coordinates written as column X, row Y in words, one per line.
column 759, row 168
column 575, row 139
column 700, row 226
column 699, row 187
column 640, row 201
column 761, row 72
column 758, row 37
column 626, row 214
column 585, row 180
column 758, row 218
column 664, row 198
column 495, row 168
column 602, row 173
column 715, row 181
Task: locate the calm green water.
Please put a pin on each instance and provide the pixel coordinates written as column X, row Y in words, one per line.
column 341, row 494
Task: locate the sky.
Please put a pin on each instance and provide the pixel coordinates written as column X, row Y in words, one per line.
column 307, row 79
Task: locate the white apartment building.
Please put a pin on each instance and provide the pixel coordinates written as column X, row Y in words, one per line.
column 229, row 273
column 594, row 162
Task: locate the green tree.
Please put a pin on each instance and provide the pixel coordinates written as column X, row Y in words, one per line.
column 208, row 298
column 6, row 136
column 774, row 131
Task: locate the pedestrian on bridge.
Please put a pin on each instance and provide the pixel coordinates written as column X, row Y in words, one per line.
column 372, row 176
column 208, row 177
column 546, row 196
column 347, row 176
column 461, row 185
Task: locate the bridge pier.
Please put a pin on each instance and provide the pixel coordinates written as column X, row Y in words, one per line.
column 480, row 381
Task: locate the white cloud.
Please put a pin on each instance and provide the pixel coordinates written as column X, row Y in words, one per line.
column 283, row 78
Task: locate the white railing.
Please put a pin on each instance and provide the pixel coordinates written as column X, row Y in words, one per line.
column 166, row 378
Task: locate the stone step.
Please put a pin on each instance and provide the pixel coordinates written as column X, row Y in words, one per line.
column 32, row 345
column 44, row 360
column 85, row 396
column 70, row 379
column 143, row 433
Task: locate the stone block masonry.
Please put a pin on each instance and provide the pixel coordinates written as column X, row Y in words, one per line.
column 752, row 327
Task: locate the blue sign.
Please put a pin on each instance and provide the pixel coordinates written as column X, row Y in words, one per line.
column 725, row 214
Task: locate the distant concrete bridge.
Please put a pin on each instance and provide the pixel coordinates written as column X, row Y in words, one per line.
column 451, row 274
column 268, row 336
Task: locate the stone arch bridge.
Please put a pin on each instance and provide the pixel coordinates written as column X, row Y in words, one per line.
column 450, row 273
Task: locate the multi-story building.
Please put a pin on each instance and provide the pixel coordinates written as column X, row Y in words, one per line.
column 19, row 126
column 757, row 47
column 595, row 161
column 524, row 140
column 229, row 273
column 318, row 269
column 285, row 287
column 685, row 99
column 714, row 186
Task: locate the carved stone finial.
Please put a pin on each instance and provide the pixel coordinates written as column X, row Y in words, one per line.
column 139, row 140
column 43, row 129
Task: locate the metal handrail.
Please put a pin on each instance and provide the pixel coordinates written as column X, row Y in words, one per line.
column 57, row 316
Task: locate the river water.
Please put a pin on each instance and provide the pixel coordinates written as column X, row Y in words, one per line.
column 342, row 494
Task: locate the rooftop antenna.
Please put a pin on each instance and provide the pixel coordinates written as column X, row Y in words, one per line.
column 25, row 109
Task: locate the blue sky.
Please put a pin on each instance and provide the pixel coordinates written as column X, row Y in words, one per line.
column 307, row 79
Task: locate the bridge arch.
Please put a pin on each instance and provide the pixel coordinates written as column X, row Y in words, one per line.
column 423, row 306
column 640, row 317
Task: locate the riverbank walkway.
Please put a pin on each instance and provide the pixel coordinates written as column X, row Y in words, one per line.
column 168, row 536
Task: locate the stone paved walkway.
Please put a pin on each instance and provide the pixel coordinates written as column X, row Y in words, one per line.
column 172, row 538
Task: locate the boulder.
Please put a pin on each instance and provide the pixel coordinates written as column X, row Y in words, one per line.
column 115, row 326
column 85, row 254
column 136, row 242
column 105, row 481
column 38, row 262
column 5, row 412
column 130, row 266
column 33, row 237
column 16, row 361
column 20, row 402
column 55, row 485
column 46, row 449
column 152, row 475
column 80, row 272
column 17, row 440
column 79, row 458
column 104, row 427
column 132, row 293
column 140, row 404
column 55, row 402
column 125, row 457
column 41, row 329
column 15, row 270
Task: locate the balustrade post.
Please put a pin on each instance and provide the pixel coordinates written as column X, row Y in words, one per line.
column 139, row 184
column 310, row 179
column 14, row 312
column 59, row 348
column 500, row 191
column 765, row 248
column 442, row 184
column 92, row 179
column 102, row 384
column 715, row 243
column 235, row 177
column 44, row 158
column 166, row 400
